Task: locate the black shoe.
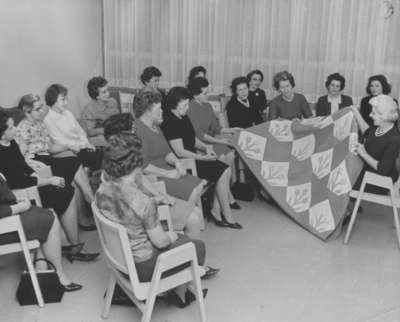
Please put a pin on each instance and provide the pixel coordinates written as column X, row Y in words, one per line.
column 72, row 287
column 219, row 223
column 210, row 272
column 190, row 297
column 174, row 299
column 234, row 225
column 235, row 205
column 65, row 250
column 88, row 228
column 83, row 257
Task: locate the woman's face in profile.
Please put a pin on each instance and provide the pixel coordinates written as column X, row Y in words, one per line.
column 334, row 87
column 155, row 113
column 183, row 107
column 38, row 112
column 242, row 91
column 375, row 87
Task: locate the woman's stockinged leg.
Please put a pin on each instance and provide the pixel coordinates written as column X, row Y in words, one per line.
column 69, row 221
column 222, row 193
column 82, row 180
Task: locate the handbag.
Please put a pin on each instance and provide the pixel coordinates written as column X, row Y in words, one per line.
column 49, row 283
column 242, row 190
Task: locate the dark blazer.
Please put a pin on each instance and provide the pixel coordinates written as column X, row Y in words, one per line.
column 323, row 107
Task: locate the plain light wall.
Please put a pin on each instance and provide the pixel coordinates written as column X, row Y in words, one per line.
column 49, row 41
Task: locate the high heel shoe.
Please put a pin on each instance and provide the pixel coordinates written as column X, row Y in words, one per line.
column 174, row 299
column 219, row 223
column 83, row 257
column 190, row 297
column 71, row 249
column 235, row 205
column 72, row 287
column 234, row 225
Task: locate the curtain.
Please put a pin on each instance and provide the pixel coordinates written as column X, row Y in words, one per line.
column 309, row 38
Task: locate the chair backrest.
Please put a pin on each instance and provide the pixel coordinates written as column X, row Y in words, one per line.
column 115, row 244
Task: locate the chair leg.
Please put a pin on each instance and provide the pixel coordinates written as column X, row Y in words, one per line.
column 199, row 293
column 353, row 218
column 34, row 279
column 200, row 206
column 396, row 216
column 151, row 299
column 109, row 295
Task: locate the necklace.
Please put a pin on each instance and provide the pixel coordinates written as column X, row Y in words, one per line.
column 382, row 132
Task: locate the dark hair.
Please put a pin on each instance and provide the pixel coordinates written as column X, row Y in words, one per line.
column 148, row 73
column 196, row 70
column 283, row 76
column 117, row 123
column 175, row 96
column 386, row 87
column 144, row 101
column 197, row 84
column 123, row 155
column 94, row 84
column 4, row 116
column 255, row 72
column 336, row 77
column 237, row 81
column 26, row 102
column 52, row 93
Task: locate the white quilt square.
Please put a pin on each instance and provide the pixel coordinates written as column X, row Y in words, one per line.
column 299, row 197
column 281, row 130
column 342, row 126
column 321, row 217
column 275, row 173
column 321, row 163
column 303, row 148
column 253, row 145
column 339, row 182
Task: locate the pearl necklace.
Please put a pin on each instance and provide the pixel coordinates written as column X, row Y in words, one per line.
column 380, row 133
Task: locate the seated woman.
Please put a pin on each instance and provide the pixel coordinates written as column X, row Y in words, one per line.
column 65, row 130
column 289, row 104
column 100, row 108
column 207, row 127
column 53, row 191
column 179, row 132
column 240, row 110
column 38, row 223
column 35, row 143
column 331, row 103
column 197, row 71
column 377, row 85
column 120, row 200
column 257, row 95
column 150, row 78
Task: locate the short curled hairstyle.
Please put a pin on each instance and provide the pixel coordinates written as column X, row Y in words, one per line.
column 283, row 76
column 386, row 87
column 26, row 102
column 197, row 84
column 122, row 155
column 236, row 82
column 195, row 71
column 144, row 101
column 4, row 116
column 255, row 72
column 175, row 96
column 52, row 93
column 148, row 73
column 336, row 77
column 388, row 105
column 118, row 123
column 94, row 84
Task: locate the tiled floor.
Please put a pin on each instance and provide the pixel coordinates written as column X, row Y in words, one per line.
column 272, row 270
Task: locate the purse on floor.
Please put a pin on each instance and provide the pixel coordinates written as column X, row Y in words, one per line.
column 49, row 283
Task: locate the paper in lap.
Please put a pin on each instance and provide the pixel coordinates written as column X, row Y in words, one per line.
column 306, row 166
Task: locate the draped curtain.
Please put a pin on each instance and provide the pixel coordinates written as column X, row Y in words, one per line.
column 309, row 38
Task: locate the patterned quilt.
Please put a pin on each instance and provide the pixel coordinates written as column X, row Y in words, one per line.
column 307, row 166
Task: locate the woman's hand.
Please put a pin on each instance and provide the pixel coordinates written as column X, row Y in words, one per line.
column 173, row 174
column 355, row 109
column 210, row 151
column 22, row 205
column 91, row 147
column 180, row 168
column 360, row 150
column 57, row 182
column 172, row 235
column 74, row 149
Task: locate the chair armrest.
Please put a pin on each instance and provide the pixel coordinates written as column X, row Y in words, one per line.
column 10, row 224
column 377, row 180
column 175, row 257
column 30, row 193
column 189, row 164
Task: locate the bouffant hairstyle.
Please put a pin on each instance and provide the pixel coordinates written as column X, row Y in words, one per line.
column 52, row 93
column 26, row 102
column 255, row 72
column 195, row 71
column 386, row 104
column 336, row 77
column 175, row 96
column 148, row 73
column 94, row 84
column 236, row 82
column 118, row 123
column 197, row 84
column 4, row 116
column 144, row 101
column 123, row 155
column 386, row 87
column 283, row 76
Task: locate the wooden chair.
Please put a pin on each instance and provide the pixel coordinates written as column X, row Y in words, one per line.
column 115, row 244
column 13, row 224
column 391, row 200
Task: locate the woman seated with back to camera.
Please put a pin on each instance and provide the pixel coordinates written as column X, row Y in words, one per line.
column 180, row 134
column 289, row 104
column 35, row 143
column 334, row 100
column 38, row 224
column 120, row 199
column 54, row 192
